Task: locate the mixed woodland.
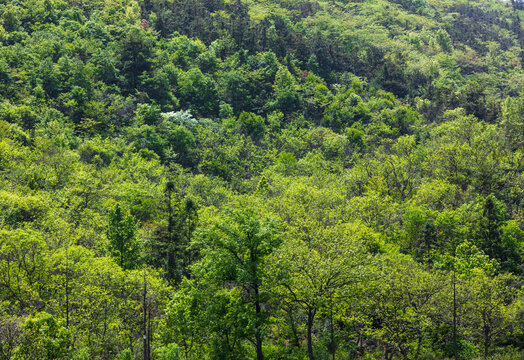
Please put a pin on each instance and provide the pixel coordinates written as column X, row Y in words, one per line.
column 261, row 179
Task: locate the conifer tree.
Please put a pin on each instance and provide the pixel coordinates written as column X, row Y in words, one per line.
column 121, row 233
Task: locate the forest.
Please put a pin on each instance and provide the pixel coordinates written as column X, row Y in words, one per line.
column 261, row 179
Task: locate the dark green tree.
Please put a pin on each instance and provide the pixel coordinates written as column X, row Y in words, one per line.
column 121, row 233
column 198, row 91
column 171, row 248
column 135, row 56
column 252, row 125
column 492, row 238
column 186, row 226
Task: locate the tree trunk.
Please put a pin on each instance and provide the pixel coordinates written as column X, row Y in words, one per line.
column 454, row 312
column 296, row 341
column 258, row 337
column 170, row 271
column 487, row 341
column 67, row 286
column 145, row 335
column 419, row 344
column 332, row 345
column 310, row 317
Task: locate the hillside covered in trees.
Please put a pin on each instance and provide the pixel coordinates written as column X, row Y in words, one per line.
column 271, row 179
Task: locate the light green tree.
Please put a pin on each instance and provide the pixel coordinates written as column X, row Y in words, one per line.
column 234, row 249
column 43, row 338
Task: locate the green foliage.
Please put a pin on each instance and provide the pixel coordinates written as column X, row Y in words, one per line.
column 234, row 252
column 261, row 179
column 251, row 124
column 287, row 98
column 43, row 337
column 183, row 143
column 404, row 303
column 494, row 238
column 125, row 355
column 121, row 233
column 136, row 51
column 10, row 19
column 444, row 40
column 198, row 91
column 148, row 114
column 170, row 352
column 512, row 115
column 262, row 186
column 346, row 109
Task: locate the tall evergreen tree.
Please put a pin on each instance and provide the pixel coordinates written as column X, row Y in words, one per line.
column 121, row 233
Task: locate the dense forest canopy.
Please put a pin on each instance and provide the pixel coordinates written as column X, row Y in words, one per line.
column 261, row 179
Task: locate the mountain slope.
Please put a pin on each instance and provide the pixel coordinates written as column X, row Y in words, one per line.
column 269, row 179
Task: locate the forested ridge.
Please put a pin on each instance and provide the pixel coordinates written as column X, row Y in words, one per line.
column 261, row 179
